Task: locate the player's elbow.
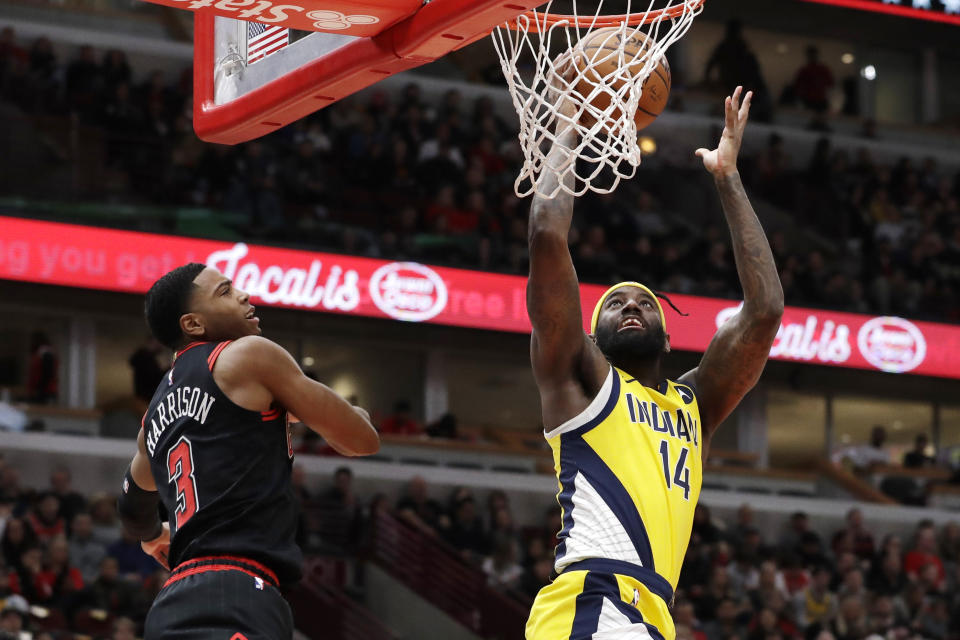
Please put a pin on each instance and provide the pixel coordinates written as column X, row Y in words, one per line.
column 543, row 233
column 363, row 445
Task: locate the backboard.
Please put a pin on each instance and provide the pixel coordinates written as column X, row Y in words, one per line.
column 252, row 80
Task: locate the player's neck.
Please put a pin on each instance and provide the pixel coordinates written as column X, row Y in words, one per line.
column 646, row 372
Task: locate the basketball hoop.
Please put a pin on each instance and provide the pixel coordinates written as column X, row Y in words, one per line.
column 538, row 76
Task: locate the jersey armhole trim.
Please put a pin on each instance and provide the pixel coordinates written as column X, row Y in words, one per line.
column 598, row 407
column 212, row 358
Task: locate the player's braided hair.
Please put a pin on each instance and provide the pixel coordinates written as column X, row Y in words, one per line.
column 663, row 296
column 167, row 300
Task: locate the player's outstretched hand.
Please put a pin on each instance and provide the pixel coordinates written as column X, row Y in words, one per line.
column 159, row 547
column 722, row 161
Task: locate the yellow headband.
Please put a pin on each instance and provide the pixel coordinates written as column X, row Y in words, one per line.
column 609, row 292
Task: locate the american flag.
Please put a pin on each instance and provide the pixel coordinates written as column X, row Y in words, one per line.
column 262, row 40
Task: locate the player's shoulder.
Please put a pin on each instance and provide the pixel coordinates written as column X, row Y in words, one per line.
column 252, row 352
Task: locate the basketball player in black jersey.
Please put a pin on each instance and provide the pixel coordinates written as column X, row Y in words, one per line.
column 214, row 448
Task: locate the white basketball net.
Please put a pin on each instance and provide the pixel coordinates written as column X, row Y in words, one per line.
column 533, row 52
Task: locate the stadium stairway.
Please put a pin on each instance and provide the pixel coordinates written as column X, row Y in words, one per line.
column 322, row 609
column 411, row 572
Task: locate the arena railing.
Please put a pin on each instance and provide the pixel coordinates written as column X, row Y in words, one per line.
column 435, row 571
column 321, row 610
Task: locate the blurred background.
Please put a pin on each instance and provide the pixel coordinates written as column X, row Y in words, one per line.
column 830, row 502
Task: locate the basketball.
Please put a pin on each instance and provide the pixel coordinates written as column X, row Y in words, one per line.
column 598, row 59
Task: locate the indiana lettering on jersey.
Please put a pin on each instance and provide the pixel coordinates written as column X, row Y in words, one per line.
column 680, row 424
column 191, row 402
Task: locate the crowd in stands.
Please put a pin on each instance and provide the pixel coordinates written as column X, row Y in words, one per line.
column 67, row 554
column 66, row 563
column 396, row 176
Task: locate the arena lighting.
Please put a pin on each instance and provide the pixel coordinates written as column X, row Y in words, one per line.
column 947, row 11
column 84, row 257
column 308, row 361
column 847, row 58
column 647, row 145
column 869, row 72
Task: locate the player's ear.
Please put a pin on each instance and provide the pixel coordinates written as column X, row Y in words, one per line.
column 666, row 343
column 593, row 337
column 192, row 325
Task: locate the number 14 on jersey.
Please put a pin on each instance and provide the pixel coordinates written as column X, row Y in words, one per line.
column 679, row 476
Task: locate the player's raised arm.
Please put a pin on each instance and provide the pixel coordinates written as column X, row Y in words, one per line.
column 553, row 292
column 736, row 356
column 259, row 364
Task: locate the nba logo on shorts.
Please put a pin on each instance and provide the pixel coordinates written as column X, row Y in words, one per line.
column 636, row 598
column 259, row 583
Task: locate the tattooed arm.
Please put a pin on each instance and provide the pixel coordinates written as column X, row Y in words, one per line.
column 567, row 366
column 738, row 352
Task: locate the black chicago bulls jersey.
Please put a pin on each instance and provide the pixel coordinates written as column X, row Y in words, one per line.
column 223, row 472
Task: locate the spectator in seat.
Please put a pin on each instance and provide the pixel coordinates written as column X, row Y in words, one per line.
column 444, row 427
column 811, row 550
column 771, row 581
column 950, row 543
column 743, row 526
column 43, row 370
column 851, row 622
column 887, row 576
column 743, row 573
column 45, row 519
column 536, row 577
column 813, row 82
column 131, row 559
column 86, row 554
column 124, row 629
column 917, row 457
column 923, row 554
column 852, row 585
column 855, row 536
column 71, row 502
column 729, row 58
column 684, row 616
column 62, row 581
column 798, row 526
column 342, row 516
column 103, row 512
column 17, row 538
column 26, row 579
column 147, row 372
column 419, row 510
column 703, row 526
column 11, row 492
column 726, row 624
column 816, row 604
column 718, row 589
column 867, row 456
column 501, row 566
column 110, row 591
column 883, row 619
column 12, row 623
column 466, row 532
column 401, row 421
column 934, row 622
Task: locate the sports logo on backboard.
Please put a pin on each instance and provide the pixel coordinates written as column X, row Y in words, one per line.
column 408, row 291
column 892, row 344
column 335, row 20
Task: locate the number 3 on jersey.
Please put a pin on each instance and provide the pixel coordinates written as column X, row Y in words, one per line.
column 681, row 474
column 180, row 470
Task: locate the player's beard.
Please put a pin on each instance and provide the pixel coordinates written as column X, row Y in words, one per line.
column 631, row 345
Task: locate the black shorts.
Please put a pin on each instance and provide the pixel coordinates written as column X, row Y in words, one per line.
column 220, row 598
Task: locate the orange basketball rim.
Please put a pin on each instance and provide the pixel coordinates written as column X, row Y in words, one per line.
column 543, row 21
